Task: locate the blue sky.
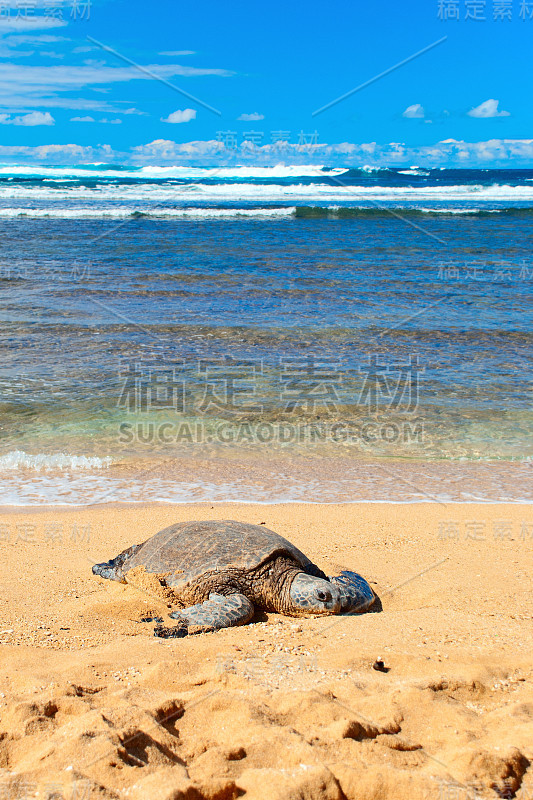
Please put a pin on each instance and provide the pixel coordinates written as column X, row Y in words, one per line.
column 266, row 68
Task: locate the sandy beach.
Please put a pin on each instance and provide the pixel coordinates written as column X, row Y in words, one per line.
column 93, row 706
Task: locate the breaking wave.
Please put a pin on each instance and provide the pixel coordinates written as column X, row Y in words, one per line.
column 125, row 212
column 43, row 462
column 160, row 173
column 306, row 212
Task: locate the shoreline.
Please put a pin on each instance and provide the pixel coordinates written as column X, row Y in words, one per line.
column 142, row 504
column 292, row 479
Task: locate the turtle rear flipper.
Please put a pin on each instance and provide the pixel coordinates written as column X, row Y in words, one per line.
column 215, row 613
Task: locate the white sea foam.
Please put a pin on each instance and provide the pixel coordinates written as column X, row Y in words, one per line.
column 18, row 459
column 414, row 171
column 125, row 212
column 43, row 488
column 279, row 171
column 316, row 193
column 448, row 210
column 225, row 173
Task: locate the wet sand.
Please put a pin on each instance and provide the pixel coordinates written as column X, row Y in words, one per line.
column 93, row 706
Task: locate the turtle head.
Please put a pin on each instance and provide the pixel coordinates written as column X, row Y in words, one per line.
column 310, row 595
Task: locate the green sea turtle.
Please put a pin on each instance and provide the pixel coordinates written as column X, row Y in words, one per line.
column 220, row 572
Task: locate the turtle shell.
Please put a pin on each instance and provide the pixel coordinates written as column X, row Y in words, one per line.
column 184, row 552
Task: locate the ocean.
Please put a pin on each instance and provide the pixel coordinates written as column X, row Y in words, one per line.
column 265, row 334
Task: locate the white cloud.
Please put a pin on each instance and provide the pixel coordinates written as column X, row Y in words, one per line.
column 35, row 118
column 20, row 102
column 23, row 24
column 42, row 38
column 177, row 53
column 180, row 116
column 28, row 120
column 416, row 111
column 165, row 150
column 74, row 151
column 92, row 119
column 450, row 153
column 255, row 117
column 10, row 46
column 58, row 153
column 72, row 77
column 36, row 82
column 5, row 52
column 487, row 110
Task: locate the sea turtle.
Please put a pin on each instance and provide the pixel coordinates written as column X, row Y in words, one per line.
column 220, row 572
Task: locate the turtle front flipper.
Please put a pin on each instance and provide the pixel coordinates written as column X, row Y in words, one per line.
column 356, row 594
column 215, row 613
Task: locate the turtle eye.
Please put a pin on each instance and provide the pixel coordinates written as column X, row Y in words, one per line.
column 323, row 595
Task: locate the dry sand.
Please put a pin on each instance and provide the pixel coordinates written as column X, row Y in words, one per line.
column 93, row 706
